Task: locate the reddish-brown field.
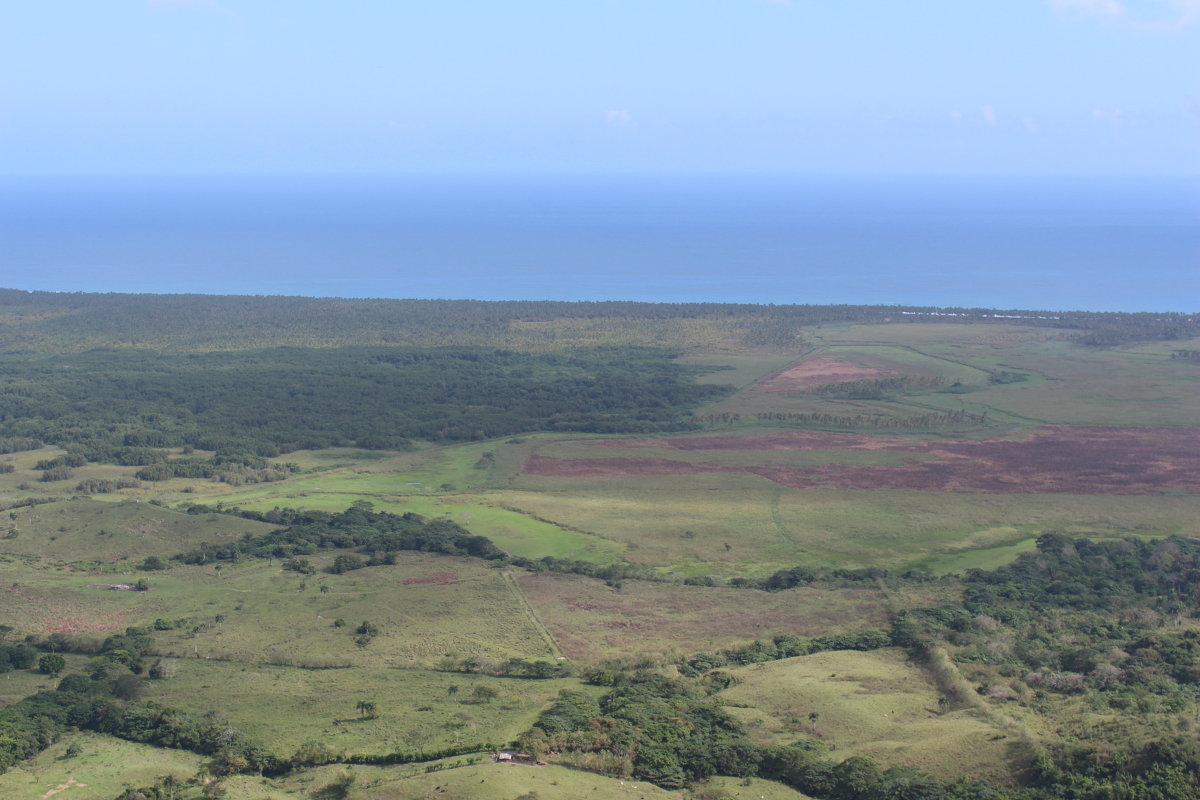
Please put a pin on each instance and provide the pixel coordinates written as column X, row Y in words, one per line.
column 792, row 440
column 817, row 372
column 613, row 467
column 1071, row 460
column 591, row 621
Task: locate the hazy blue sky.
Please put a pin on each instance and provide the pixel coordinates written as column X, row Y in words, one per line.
column 955, row 86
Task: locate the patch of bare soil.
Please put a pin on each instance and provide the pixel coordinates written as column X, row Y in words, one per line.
column 818, row 372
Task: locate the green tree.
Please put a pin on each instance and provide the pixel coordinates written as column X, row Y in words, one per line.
column 51, row 664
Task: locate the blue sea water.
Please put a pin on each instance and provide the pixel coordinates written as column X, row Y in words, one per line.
column 1036, row 243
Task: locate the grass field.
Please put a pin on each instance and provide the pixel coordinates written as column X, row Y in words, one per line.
column 20, row 683
column 592, row 621
column 514, row 532
column 684, row 522
column 284, row 707
column 875, row 704
column 111, row 534
column 426, row 606
column 100, row 772
column 479, row 782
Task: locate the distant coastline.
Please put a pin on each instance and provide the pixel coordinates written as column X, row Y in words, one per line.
column 1117, row 244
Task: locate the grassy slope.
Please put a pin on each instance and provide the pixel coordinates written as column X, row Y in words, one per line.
column 284, row 707
column 875, row 704
column 768, row 527
column 592, row 621
column 500, row 782
column 114, row 535
column 100, row 772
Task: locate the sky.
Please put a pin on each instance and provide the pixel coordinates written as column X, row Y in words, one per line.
column 1078, row 87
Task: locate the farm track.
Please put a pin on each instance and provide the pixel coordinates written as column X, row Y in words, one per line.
column 511, row 582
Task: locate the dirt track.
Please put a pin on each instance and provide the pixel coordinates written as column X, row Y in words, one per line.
column 1071, row 460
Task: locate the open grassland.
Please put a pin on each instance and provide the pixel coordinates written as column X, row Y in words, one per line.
column 114, row 534
column 506, row 782
column 481, row 782
column 20, row 683
column 25, row 482
column 694, row 523
column 1103, row 387
column 285, row 707
column 424, row 607
column 513, row 531
column 100, row 772
column 1137, row 384
column 685, row 522
column 875, row 704
column 592, row 621
column 738, row 369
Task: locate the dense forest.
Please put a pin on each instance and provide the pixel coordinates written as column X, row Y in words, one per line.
column 267, row 402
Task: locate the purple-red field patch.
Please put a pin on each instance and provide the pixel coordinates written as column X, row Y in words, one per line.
column 1058, row 458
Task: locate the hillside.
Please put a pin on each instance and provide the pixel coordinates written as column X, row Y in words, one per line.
column 283, row 547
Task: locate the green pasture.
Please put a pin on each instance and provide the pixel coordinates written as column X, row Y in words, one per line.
column 284, row 707
column 20, row 683
column 25, row 482
column 458, row 779
column 104, row 767
column 591, row 620
column 258, row 612
column 425, row 607
column 113, row 535
column 908, row 360
column 876, row 704
column 515, row 532
column 1101, row 387
column 693, row 523
column 736, row 524
column 737, row 369
column 983, row 558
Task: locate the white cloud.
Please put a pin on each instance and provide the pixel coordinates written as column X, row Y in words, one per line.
column 989, row 114
column 618, row 117
column 1187, row 13
column 1147, row 15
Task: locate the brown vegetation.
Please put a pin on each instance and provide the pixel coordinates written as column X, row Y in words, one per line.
column 1060, row 458
column 817, row 372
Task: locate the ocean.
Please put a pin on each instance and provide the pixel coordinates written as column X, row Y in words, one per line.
column 1102, row 244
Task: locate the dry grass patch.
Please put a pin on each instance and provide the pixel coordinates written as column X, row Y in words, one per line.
column 591, row 621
